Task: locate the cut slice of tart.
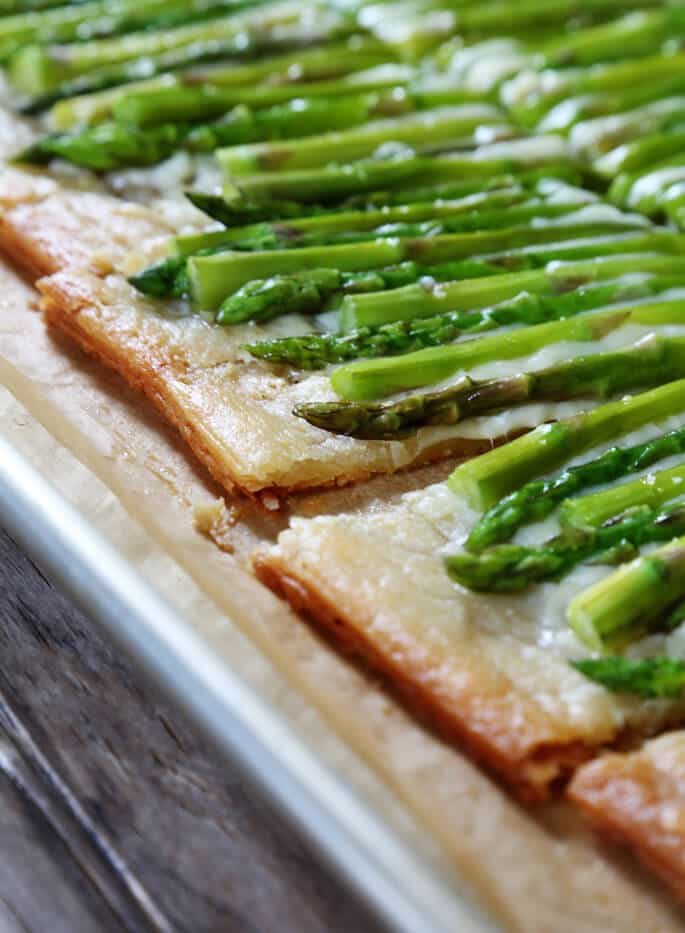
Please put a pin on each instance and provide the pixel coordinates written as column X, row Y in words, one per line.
column 489, row 670
column 234, row 411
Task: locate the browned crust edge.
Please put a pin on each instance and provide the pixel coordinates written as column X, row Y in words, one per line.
column 30, row 241
column 624, row 798
column 531, row 778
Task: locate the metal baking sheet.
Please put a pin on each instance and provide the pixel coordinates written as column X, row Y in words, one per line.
column 396, row 883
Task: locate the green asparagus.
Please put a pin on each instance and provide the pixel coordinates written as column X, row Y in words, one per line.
column 315, row 351
column 635, row 596
column 34, row 69
column 261, row 299
column 310, row 292
column 215, row 277
column 652, row 489
column 537, row 499
column 309, row 64
column 484, row 481
column 373, row 379
column 508, row 568
column 654, row 360
column 335, row 183
column 644, row 677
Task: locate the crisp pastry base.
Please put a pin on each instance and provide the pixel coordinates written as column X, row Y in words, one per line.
column 235, row 412
column 485, row 668
column 639, row 799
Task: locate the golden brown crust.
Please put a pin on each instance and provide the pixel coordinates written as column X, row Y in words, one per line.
column 149, row 365
column 631, row 799
column 65, row 230
column 506, row 731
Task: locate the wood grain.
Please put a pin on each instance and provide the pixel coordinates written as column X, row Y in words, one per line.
column 114, row 813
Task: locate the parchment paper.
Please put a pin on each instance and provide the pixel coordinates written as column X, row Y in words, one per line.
column 535, row 871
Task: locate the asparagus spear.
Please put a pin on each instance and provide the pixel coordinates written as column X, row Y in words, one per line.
column 83, row 20
column 108, row 146
column 315, row 351
column 309, row 292
column 652, row 490
column 537, row 499
column 35, row 69
column 334, row 183
column 640, row 153
column 309, row 64
column 636, row 595
column 191, row 104
column 484, row 481
column 236, row 210
column 166, row 279
column 240, row 211
column 263, row 299
column 506, row 568
column 592, row 139
column 437, row 129
column 648, row 190
column 652, row 361
column 215, row 277
column 341, row 228
column 648, row 678
column 341, row 220
column 530, row 96
column 301, row 292
column 639, row 32
column 377, row 378
column 425, row 300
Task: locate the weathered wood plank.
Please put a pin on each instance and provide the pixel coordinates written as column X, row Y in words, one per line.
column 208, row 853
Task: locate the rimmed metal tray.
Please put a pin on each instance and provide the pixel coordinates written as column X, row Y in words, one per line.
column 400, row 886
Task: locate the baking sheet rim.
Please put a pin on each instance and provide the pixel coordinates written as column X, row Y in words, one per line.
column 358, row 844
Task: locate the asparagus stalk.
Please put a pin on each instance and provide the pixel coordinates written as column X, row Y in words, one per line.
column 484, row 481
column 310, row 64
column 116, row 145
column 476, row 206
column 652, row 361
column 107, row 147
column 334, row 183
column 530, row 97
column 263, row 299
column 636, row 595
column 640, row 154
column 213, row 278
column 637, row 33
column 166, row 279
column 426, row 300
column 648, row 678
column 301, row 292
column 310, row 292
column 237, row 210
column 317, row 63
column 191, row 104
column 652, row 490
column 430, row 130
column 537, row 499
column 35, row 69
column 83, row 20
column 506, row 568
column 336, row 229
column 316, row 351
column 374, row 379
column 648, row 190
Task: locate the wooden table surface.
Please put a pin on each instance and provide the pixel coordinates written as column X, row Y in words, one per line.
column 115, row 815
